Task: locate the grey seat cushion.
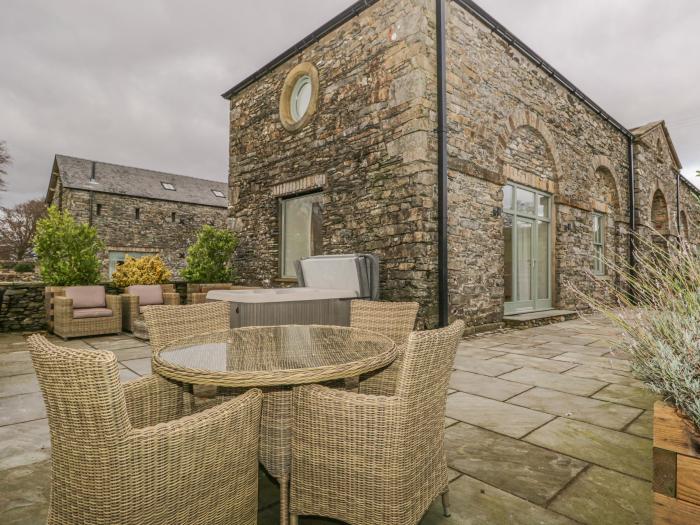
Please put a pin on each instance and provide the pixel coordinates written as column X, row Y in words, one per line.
column 87, row 296
column 148, row 293
column 85, row 313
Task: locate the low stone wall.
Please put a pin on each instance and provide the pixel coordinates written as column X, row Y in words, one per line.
column 22, row 307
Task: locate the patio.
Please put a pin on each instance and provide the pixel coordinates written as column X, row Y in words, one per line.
column 544, row 425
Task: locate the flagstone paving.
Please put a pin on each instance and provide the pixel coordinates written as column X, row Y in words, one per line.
column 544, row 426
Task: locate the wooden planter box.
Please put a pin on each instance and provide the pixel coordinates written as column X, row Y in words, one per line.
column 676, row 470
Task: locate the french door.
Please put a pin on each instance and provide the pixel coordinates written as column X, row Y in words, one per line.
column 526, row 232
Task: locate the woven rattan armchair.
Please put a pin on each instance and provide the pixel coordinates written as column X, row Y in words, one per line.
column 121, row 454
column 394, row 320
column 106, row 319
column 376, row 460
column 132, row 309
column 170, row 323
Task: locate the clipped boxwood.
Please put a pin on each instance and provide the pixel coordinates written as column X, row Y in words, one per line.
column 209, row 259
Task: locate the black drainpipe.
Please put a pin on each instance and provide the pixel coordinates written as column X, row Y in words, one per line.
column 443, row 299
column 632, row 205
column 678, row 204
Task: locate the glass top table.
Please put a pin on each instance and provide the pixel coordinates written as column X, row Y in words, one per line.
column 274, row 356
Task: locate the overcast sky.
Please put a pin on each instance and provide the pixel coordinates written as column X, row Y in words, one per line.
column 139, row 82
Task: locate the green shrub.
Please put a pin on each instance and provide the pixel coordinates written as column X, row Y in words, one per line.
column 660, row 320
column 150, row 269
column 23, row 267
column 67, row 250
column 209, row 258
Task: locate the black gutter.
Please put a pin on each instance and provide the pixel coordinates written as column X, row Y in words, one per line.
column 518, row 44
column 440, row 41
column 338, row 20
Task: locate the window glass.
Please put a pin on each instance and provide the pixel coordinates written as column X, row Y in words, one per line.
column 301, row 97
column 168, row 186
column 543, row 206
column 526, row 201
column 300, row 230
column 507, row 197
column 598, row 244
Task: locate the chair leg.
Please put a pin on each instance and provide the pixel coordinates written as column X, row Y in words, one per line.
column 446, row 503
column 293, row 519
column 285, row 518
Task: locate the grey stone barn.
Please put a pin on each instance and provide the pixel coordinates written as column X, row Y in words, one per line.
column 137, row 211
column 424, row 131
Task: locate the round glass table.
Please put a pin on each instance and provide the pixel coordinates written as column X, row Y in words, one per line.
column 275, row 359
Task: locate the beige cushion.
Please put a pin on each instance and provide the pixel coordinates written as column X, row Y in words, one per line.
column 83, row 313
column 86, row 296
column 148, row 293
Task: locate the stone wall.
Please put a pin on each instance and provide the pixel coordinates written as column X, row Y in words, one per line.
column 22, row 307
column 154, row 231
column 509, row 121
column 366, row 148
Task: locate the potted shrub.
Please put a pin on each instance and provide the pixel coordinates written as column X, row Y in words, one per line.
column 67, row 253
column 209, row 263
column 661, row 323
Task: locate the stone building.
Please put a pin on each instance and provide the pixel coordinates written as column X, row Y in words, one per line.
column 425, row 132
column 136, row 211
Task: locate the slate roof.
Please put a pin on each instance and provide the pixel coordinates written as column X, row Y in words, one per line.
column 136, row 182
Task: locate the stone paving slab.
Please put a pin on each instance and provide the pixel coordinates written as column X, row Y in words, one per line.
column 494, row 415
column 569, row 347
column 529, row 350
column 601, row 413
column 140, row 366
column 628, row 395
column 572, row 385
column 606, row 375
column 21, row 408
column 24, row 443
column 603, row 362
column 608, row 448
column 476, row 503
column 480, row 366
column 643, row 425
column 15, row 363
column 548, row 365
column 485, row 386
column 24, row 497
column 477, row 353
column 19, row 384
column 590, row 500
column 530, row 472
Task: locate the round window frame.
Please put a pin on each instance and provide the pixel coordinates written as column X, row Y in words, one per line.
column 305, row 69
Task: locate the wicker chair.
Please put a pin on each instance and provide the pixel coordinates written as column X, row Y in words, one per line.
column 394, row 320
column 132, row 309
column 120, row 455
column 169, row 323
column 98, row 319
column 376, row 460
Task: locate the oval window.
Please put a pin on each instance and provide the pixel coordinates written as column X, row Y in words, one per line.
column 301, row 97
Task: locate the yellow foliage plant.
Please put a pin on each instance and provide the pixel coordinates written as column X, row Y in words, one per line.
column 150, row 269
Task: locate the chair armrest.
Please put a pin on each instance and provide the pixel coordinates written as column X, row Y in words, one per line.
column 333, row 426
column 114, row 303
column 171, row 298
column 62, row 303
column 198, row 297
column 130, row 310
column 152, row 400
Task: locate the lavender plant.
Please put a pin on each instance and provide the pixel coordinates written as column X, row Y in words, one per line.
column 659, row 312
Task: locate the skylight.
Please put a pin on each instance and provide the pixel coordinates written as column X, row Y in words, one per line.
column 168, row 186
column 218, row 193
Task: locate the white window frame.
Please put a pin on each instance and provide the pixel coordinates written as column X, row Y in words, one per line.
column 598, row 238
column 301, row 83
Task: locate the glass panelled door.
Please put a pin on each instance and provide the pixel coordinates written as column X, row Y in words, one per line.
column 526, row 232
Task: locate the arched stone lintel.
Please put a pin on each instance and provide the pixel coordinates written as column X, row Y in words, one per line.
column 672, row 228
column 523, row 118
column 602, row 161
